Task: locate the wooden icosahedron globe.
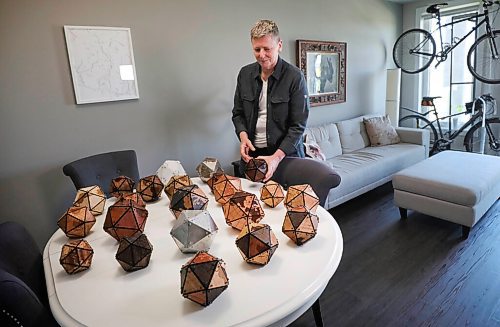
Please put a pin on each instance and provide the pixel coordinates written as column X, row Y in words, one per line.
column 175, row 183
column 136, row 197
column 134, row 252
column 300, row 225
column 92, row 197
column 215, row 177
column 76, row 256
column 272, row 194
column 168, row 169
column 224, row 187
column 301, row 195
column 256, row 170
column 150, row 188
column 121, row 185
column 203, row 278
column 76, row 222
column 257, row 243
column 194, row 231
column 243, row 208
column 125, row 218
column 207, row 168
column 188, row 198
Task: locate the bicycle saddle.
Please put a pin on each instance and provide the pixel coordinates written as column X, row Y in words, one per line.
column 428, row 101
column 434, row 9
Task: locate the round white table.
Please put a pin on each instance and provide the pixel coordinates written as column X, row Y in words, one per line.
column 275, row 294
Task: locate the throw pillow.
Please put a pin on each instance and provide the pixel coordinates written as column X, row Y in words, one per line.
column 313, row 150
column 380, row 131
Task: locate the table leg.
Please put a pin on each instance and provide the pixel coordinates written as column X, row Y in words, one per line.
column 317, row 313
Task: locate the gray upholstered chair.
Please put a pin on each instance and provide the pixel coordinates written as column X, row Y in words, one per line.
column 23, row 293
column 100, row 169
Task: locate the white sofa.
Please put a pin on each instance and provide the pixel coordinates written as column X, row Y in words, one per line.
column 347, row 149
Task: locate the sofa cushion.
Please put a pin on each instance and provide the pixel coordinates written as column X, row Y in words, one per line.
column 352, row 134
column 327, row 137
column 380, row 131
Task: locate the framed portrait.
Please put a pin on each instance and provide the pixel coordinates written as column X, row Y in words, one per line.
column 102, row 63
column 324, row 66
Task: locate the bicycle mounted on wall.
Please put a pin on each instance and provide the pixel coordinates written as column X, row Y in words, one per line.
column 440, row 140
column 415, row 49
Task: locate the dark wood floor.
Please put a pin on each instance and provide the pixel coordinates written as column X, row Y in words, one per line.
column 414, row 272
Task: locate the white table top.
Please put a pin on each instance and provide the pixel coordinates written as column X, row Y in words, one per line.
column 275, row 294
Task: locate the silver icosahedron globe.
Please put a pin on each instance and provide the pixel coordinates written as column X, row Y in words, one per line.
column 194, row 231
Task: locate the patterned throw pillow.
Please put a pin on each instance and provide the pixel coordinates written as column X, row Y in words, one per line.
column 313, row 150
column 380, row 131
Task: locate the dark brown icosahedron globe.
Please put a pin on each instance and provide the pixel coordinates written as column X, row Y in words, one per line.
column 92, row 197
column 272, row 194
column 257, row 243
column 134, row 252
column 243, row 208
column 224, row 187
column 203, row 278
column 76, row 256
column 125, row 218
column 150, row 188
column 121, row 185
column 301, row 195
column 300, row 225
column 188, row 198
column 76, row 222
column 256, row 170
column 175, row 183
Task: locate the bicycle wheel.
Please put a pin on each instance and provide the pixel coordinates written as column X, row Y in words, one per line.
column 416, row 121
column 414, row 51
column 483, row 58
column 472, row 139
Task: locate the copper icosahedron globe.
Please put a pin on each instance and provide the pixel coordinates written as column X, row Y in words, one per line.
column 224, row 187
column 150, row 188
column 256, row 170
column 300, row 225
column 136, row 197
column 257, row 243
column 207, row 168
column 92, row 197
column 76, row 256
column 188, row 198
column 194, row 231
column 203, row 278
column 301, row 195
column 125, row 218
column 76, row 222
column 272, row 194
column 134, row 252
column 176, row 182
column 121, row 185
column 242, row 209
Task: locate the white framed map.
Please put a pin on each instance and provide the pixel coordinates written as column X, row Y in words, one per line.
column 102, row 63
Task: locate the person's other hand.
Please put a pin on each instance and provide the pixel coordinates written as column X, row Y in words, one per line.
column 245, row 147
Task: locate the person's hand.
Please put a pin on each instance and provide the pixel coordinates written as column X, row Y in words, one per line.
column 245, row 146
column 272, row 163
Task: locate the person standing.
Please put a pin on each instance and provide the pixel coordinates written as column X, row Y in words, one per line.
column 271, row 104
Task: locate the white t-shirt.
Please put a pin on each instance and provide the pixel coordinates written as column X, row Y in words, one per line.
column 260, row 128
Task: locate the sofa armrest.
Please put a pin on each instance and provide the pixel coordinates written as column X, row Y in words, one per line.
column 415, row 136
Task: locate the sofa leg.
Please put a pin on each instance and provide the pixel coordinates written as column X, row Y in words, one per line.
column 465, row 232
column 403, row 213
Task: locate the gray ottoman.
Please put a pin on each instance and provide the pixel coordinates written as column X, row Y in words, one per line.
column 455, row 186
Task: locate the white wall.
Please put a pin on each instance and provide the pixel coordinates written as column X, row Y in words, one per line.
column 187, row 56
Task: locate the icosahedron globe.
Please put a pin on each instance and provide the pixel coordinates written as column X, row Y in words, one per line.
column 121, row 185
column 188, row 198
column 301, row 195
column 272, row 194
column 92, row 197
column 203, row 278
column 134, row 252
column 125, row 218
column 176, row 182
column 257, row 243
column 300, row 225
column 224, row 187
column 136, row 197
column 242, row 209
column 194, row 231
column 207, row 168
column 168, row 169
column 256, row 170
column 150, row 188
column 76, row 256
column 76, row 222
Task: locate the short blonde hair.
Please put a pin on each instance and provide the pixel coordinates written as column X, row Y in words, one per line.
column 264, row 27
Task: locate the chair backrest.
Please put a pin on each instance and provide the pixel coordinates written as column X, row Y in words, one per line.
column 100, row 169
column 23, row 294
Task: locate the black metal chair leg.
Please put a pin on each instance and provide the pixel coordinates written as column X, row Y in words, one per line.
column 317, row 313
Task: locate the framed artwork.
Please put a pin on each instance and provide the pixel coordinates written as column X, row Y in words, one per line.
column 324, row 66
column 102, row 63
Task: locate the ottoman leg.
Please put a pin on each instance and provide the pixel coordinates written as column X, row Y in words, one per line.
column 465, row 232
column 403, row 213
